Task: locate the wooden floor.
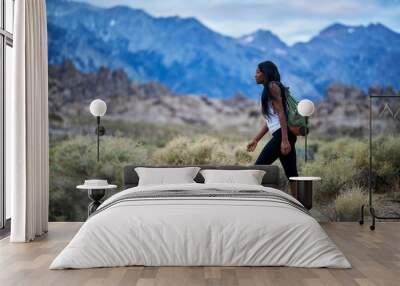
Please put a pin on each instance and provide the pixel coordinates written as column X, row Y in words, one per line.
column 375, row 257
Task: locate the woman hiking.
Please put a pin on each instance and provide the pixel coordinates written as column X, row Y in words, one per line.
column 274, row 110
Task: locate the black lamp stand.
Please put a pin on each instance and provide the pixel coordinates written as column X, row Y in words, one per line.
column 100, row 131
column 305, row 139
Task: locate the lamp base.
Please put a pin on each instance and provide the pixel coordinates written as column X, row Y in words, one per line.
column 100, row 130
column 304, row 131
column 299, row 130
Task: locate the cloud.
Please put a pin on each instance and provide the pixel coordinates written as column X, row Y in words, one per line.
column 292, row 20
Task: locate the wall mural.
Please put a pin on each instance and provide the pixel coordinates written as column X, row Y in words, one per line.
column 179, row 92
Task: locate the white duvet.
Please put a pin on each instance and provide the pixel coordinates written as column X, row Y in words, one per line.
column 200, row 231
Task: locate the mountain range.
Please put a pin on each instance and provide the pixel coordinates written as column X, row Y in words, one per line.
column 189, row 58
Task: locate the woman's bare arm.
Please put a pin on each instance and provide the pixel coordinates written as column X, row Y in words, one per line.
column 261, row 133
column 253, row 144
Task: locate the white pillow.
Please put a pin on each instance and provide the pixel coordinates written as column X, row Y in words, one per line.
column 248, row 177
column 163, row 176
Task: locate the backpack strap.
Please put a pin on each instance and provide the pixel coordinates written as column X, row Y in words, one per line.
column 284, row 90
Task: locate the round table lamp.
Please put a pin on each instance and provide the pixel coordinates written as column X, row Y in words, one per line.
column 98, row 108
column 306, row 108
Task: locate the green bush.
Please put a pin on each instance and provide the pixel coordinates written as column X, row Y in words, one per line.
column 202, row 150
column 341, row 164
column 335, row 173
column 74, row 160
column 386, row 161
column 349, row 159
column 341, row 147
column 348, row 204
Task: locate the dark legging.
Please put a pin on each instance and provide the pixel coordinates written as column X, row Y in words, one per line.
column 272, row 151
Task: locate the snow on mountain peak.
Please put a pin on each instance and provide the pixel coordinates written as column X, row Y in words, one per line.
column 248, row 39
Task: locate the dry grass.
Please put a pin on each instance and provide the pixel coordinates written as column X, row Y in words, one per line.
column 348, row 204
column 202, row 150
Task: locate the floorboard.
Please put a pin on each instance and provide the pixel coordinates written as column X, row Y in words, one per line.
column 375, row 257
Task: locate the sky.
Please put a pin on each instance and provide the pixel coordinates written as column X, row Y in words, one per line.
column 291, row 20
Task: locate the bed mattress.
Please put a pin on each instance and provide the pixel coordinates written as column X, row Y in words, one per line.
column 201, row 225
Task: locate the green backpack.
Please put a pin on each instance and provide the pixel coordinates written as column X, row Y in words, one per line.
column 295, row 120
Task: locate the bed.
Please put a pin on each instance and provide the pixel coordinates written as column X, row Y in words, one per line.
column 201, row 224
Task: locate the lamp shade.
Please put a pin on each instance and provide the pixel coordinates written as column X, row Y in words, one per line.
column 306, row 107
column 98, row 107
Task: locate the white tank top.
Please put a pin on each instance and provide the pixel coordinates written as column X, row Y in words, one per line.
column 273, row 120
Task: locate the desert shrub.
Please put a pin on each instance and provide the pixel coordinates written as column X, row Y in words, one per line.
column 242, row 156
column 202, row 150
column 74, row 160
column 348, row 204
column 345, row 161
column 386, row 160
column 77, row 158
column 341, row 164
column 335, row 173
column 341, row 147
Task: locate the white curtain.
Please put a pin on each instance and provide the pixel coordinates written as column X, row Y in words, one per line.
column 27, row 124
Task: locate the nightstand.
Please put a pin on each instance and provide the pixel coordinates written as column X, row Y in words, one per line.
column 302, row 189
column 96, row 192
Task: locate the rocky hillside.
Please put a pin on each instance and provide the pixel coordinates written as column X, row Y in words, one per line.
column 71, row 91
column 343, row 111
